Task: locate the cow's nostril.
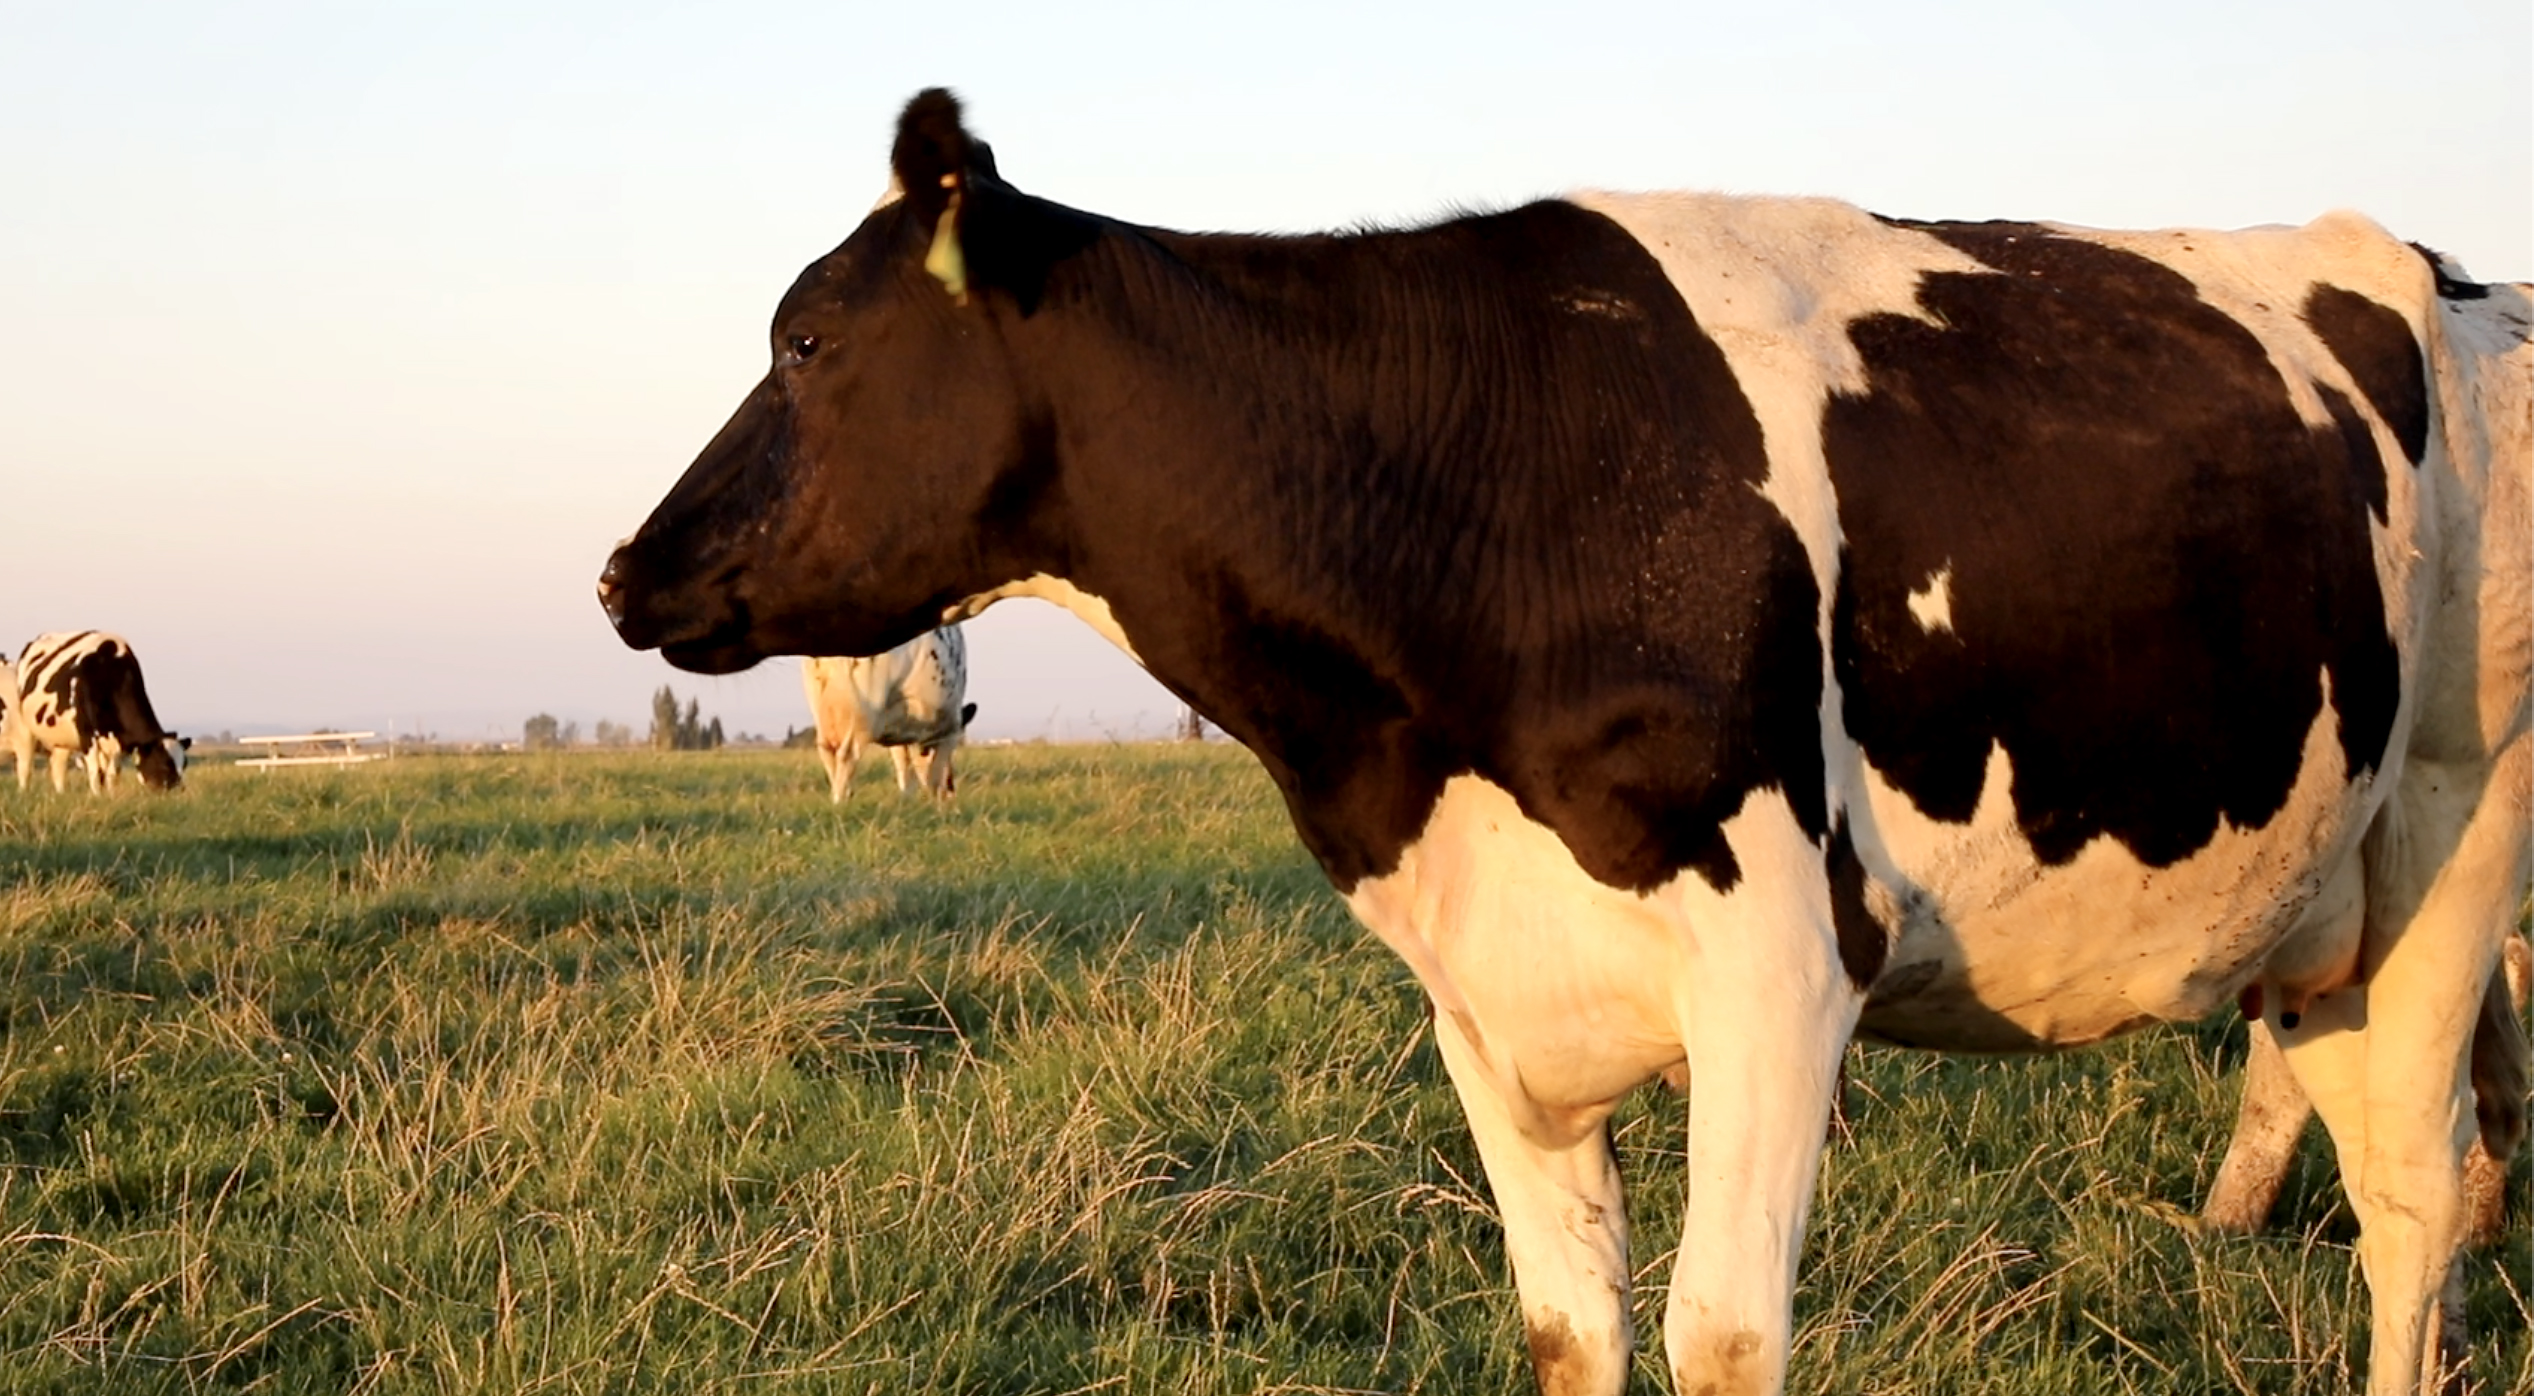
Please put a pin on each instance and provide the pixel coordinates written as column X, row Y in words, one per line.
column 611, row 588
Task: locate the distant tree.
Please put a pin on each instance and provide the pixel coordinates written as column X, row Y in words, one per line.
column 800, row 737
column 571, row 735
column 1191, row 726
column 664, row 719
column 673, row 729
column 542, row 733
column 612, row 734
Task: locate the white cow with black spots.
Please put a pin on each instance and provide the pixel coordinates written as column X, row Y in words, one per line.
column 1699, row 630
column 80, row 693
column 909, row 700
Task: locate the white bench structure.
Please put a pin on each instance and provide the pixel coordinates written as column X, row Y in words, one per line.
column 309, row 749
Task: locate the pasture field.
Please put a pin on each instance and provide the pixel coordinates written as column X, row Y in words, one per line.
column 637, row 1072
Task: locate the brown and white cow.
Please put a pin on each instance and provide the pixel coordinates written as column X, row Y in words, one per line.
column 908, row 699
column 1702, row 628
column 80, row 693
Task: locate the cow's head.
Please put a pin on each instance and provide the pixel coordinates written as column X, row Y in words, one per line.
column 870, row 482
column 162, row 762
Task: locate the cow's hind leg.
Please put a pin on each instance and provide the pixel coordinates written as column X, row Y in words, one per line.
column 2386, row 1061
column 827, row 766
column 2268, row 1122
column 2274, row 1110
column 840, row 760
column 1769, row 1009
column 1566, row 1224
column 2502, row 1064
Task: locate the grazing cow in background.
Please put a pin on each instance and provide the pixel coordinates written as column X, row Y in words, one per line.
column 9, row 718
column 1702, row 628
column 80, row 692
column 908, row 700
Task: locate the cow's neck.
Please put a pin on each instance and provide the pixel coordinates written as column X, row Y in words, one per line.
column 1360, row 501
column 1236, row 467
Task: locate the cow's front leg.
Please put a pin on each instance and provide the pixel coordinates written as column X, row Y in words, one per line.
column 1769, row 1010
column 1566, row 1225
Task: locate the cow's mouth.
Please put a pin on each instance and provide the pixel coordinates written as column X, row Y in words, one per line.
column 726, row 650
column 699, row 626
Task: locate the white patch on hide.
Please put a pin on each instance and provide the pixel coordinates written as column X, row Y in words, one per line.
column 1085, row 607
column 1775, row 283
column 1932, row 604
column 2103, row 943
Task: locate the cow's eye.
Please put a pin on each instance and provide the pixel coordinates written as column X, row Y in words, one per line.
column 801, row 347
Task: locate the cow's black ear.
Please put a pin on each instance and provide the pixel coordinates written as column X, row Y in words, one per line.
column 967, row 714
column 932, row 160
column 186, row 742
column 932, row 154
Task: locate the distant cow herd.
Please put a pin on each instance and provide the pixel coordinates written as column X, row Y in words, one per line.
column 78, row 696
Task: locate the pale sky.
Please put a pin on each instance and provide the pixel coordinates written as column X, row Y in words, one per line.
column 338, row 341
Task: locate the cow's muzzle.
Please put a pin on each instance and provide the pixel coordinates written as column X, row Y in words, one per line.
column 700, row 626
column 611, row 592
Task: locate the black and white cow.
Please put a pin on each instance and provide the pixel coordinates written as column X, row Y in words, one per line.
column 1689, row 627
column 909, row 699
column 80, row 692
column 9, row 715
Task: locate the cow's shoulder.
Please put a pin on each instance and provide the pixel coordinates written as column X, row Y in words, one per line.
column 1775, row 283
column 53, row 662
column 1536, row 550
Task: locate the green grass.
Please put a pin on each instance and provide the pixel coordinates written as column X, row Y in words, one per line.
column 657, row 1073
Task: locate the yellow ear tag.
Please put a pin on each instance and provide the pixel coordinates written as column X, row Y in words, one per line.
column 945, row 261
